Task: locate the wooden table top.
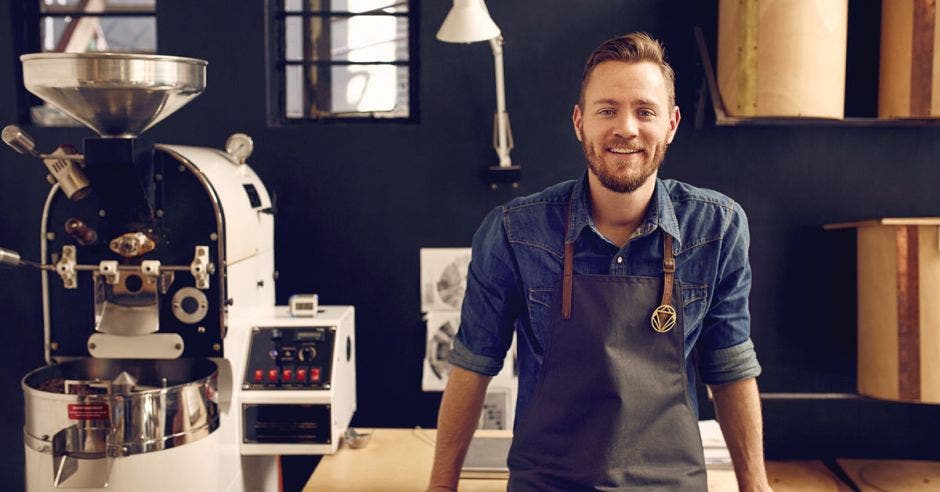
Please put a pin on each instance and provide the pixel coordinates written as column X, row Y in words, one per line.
column 396, row 460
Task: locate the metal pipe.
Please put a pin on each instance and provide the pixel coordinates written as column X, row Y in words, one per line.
column 502, row 139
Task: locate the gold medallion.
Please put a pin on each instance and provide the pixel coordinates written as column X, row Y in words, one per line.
column 663, row 318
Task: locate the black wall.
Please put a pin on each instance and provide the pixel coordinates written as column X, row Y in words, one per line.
column 357, row 201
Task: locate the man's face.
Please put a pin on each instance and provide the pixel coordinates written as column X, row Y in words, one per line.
column 626, row 123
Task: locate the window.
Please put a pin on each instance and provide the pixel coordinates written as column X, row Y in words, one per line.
column 342, row 59
column 79, row 26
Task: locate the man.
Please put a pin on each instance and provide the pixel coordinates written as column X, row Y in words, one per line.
column 610, row 281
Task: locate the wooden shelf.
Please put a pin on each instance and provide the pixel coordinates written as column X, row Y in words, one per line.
column 722, row 118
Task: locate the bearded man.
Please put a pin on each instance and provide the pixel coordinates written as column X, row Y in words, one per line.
column 610, row 281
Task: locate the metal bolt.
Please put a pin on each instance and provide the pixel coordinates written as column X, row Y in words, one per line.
column 54, row 346
column 159, row 213
column 246, row 386
column 102, row 213
column 216, row 347
column 50, row 236
column 201, row 329
column 178, row 346
column 182, row 169
column 92, row 346
column 276, row 275
column 158, row 177
column 214, row 236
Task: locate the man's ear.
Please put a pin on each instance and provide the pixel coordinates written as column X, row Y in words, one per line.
column 673, row 124
column 576, row 121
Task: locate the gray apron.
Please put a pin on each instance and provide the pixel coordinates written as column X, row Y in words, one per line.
column 611, row 409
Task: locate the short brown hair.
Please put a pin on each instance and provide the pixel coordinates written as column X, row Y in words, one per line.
column 631, row 48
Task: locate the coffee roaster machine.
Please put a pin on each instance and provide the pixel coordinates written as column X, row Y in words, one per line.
column 170, row 367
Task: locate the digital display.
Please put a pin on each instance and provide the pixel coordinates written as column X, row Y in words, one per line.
column 308, row 335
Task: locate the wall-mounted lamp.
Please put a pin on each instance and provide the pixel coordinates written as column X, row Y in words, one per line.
column 469, row 22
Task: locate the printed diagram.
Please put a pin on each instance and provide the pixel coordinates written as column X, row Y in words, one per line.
column 443, row 278
column 441, row 330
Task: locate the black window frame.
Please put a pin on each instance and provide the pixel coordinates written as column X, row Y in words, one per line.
column 276, row 67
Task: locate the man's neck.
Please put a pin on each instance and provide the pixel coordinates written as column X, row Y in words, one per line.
column 618, row 215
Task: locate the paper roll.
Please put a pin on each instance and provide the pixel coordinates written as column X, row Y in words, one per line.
column 782, row 57
column 909, row 83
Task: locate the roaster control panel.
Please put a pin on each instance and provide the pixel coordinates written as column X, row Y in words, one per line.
column 290, row 358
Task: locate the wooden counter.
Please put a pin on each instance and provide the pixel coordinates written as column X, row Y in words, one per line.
column 397, row 460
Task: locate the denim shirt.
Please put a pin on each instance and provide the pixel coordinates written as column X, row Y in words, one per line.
column 517, row 262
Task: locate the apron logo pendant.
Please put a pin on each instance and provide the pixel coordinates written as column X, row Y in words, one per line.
column 663, row 318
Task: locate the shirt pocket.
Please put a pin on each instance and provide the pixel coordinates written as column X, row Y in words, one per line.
column 540, row 313
column 694, row 300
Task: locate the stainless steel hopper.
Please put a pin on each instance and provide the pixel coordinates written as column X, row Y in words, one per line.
column 114, row 94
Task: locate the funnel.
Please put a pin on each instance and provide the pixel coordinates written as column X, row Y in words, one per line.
column 114, row 94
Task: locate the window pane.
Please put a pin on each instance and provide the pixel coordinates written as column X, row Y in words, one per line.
column 293, row 5
column 295, row 91
column 366, row 38
column 294, row 38
column 81, row 34
column 355, row 6
column 96, row 6
column 349, row 91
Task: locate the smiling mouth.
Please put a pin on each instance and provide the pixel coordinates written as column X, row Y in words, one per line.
column 623, row 151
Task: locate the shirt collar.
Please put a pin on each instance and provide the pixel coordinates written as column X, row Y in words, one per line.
column 660, row 213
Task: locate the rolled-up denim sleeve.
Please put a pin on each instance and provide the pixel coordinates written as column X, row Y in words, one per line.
column 726, row 353
column 492, row 301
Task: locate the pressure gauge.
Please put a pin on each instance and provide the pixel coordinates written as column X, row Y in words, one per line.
column 239, row 146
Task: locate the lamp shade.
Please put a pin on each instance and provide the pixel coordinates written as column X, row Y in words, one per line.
column 468, row 22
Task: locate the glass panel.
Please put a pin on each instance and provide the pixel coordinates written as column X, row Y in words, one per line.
column 295, row 91
column 293, row 5
column 81, row 34
column 356, row 91
column 367, row 38
column 96, row 6
column 293, row 38
column 354, row 6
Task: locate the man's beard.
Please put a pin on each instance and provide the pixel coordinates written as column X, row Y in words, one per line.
column 618, row 183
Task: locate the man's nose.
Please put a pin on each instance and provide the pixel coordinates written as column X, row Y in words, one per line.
column 626, row 127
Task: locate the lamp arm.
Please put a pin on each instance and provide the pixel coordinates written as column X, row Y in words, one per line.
column 502, row 139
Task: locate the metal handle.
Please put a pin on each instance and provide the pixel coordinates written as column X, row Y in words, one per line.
column 19, row 140
column 9, row 257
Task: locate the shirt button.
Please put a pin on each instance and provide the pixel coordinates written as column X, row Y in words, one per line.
column 620, row 259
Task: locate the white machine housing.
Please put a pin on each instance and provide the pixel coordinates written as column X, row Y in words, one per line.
column 340, row 395
column 221, row 461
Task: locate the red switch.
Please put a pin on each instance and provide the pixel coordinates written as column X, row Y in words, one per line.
column 302, row 375
column 315, row 374
column 272, row 375
column 259, row 375
column 287, row 375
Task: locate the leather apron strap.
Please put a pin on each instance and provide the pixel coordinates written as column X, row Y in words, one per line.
column 663, row 318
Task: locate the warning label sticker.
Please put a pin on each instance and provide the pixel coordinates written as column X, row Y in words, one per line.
column 88, row 411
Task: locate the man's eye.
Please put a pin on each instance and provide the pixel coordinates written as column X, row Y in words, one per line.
column 606, row 112
column 647, row 113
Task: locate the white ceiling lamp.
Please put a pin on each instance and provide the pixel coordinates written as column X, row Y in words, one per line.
column 469, row 22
